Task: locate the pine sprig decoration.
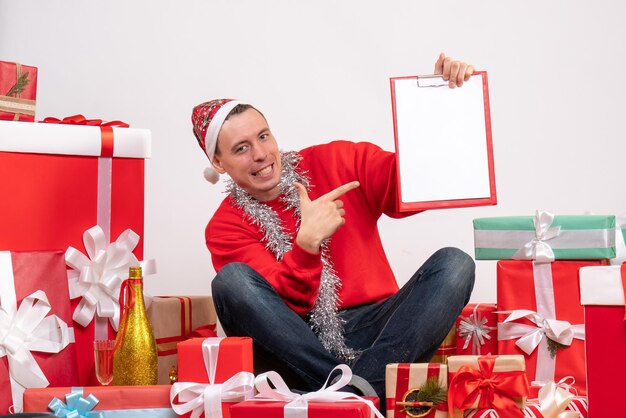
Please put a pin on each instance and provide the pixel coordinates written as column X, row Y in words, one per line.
column 19, row 85
column 419, row 402
column 430, row 391
column 554, row 346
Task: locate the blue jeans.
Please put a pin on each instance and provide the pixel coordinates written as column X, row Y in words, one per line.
column 407, row 327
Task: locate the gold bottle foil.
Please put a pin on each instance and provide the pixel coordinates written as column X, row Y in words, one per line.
column 447, row 348
column 135, row 358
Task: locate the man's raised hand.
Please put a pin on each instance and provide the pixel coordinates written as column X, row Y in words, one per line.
column 321, row 217
column 453, row 71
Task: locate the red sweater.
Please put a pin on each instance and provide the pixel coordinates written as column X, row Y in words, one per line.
column 356, row 250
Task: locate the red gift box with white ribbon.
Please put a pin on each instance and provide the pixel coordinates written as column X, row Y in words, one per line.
column 544, row 319
column 276, row 400
column 36, row 339
column 213, row 374
column 62, row 179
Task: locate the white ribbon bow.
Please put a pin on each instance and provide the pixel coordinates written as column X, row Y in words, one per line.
column 474, row 328
column 30, row 329
column 537, row 248
column 529, row 336
column 297, row 404
column 554, row 398
column 98, row 276
column 208, row 397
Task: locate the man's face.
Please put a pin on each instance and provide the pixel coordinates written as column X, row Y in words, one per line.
column 249, row 154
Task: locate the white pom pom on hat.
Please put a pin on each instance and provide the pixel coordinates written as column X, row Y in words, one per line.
column 211, row 175
column 207, row 119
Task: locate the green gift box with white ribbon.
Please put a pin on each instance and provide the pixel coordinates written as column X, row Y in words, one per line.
column 545, row 237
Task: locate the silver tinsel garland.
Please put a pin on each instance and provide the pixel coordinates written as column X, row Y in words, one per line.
column 325, row 321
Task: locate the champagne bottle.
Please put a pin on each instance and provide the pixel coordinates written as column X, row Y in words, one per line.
column 135, row 357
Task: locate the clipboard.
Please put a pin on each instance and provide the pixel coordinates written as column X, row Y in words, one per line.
column 443, row 143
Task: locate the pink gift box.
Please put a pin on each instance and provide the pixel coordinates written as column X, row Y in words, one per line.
column 22, row 274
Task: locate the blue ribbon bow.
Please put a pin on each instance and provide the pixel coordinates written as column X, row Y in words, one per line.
column 75, row 405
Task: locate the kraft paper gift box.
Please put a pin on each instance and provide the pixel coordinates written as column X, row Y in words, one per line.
column 108, row 401
column 36, row 341
column 62, row 180
column 545, row 237
column 484, row 382
column 602, row 292
column 223, row 362
column 18, row 91
column 173, row 319
column 546, row 323
column 403, row 381
column 476, row 330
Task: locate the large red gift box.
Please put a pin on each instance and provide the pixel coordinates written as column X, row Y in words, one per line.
column 34, row 350
column 603, row 292
column 476, row 330
column 404, row 380
column 213, row 360
column 544, row 300
column 121, row 401
column 267, row 409
column 18, row 91
column 64, row 179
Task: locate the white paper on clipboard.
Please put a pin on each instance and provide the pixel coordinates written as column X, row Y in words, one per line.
column 443, row 143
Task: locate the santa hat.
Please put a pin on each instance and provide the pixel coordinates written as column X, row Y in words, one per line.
column 207, row 119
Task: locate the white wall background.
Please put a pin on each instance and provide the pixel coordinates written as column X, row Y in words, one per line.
column 319, row 71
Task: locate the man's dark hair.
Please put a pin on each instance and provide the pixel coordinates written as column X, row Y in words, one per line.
column 237, row 110
column 240, row 108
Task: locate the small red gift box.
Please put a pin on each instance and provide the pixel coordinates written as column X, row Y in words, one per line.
column 547, row 322
column 476, row 330
column 404, row 380
column 18, row 91
column 213, row 360
column 36, row 348
column 603, row 292
column 233, row 355
column 120, row 401
column 173, row 319
column 64, row 179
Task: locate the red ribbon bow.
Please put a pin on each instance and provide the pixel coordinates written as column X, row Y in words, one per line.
column 494, row 390
column 81, row 120
column 106, row 129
